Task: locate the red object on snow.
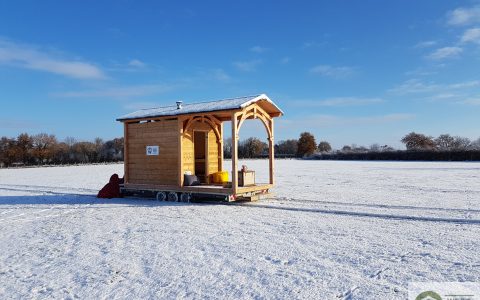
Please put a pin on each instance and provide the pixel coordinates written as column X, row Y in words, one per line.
column 111, row 189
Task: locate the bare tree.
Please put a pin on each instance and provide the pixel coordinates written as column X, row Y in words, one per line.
column 43, row 147
column 386, row 148
column 24, row 147
column 61, row 153
column 306, row 144
column 98, row 142
column 324, row 146
column 227, row 148
column 445, row 142
column 461, row 143
column 118, row 144
column 418, row 141
column 475, row 145
column 359, row 149
column 85, row 151
column 251, row 147
column 70, row 141
column 287, row 147
column 8, row 153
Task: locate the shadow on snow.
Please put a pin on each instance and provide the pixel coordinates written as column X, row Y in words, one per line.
column 91, row 201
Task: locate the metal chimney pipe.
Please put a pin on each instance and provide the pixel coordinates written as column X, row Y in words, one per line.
column 179, row 104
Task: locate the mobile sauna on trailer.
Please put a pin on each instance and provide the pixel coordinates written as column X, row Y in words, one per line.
column 164, row 144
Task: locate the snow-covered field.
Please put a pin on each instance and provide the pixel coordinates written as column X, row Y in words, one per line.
column 353, row 230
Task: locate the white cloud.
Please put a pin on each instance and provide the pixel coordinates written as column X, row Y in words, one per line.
column 220, row 75
column 340, row 102
column 415, row 86
column 472, row 101
column 332, row 71
column 471, row 35
column 445, row 52
column 313, row 44
column 136, row 63
column 433, row 92
column 258, row 49
column 29, row 57
column 421, row 72
column 465, row 84
column 247, row 66
column 216, row 74
column 425, row 44
column 285, row 60
column 118, row 92
column 412, row 86
column 444, row 96
column 464, row 16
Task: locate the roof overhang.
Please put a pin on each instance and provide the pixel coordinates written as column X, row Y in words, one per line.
column 224, row 106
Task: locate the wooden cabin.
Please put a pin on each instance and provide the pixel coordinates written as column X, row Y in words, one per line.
column 165, row 143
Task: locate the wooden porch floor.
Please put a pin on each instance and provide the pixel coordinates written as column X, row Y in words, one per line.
column 204, row 189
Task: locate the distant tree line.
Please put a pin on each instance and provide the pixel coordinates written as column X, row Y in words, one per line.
column 255, row 148
column 418, row 147
column 249, row 148
column 43, row 148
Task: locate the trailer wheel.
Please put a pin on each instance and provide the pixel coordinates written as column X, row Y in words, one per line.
column 185, row 197
column 161, row 196
column 172, row 197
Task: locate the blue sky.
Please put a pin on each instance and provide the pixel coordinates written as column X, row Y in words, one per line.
column 358, row 72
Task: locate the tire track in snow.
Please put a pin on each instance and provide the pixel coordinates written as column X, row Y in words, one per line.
column 52, row 192
column 22, row 214
column 365, row 214
column 42, row 216
column 377, row 205
column 40, row 213
column 36, row 187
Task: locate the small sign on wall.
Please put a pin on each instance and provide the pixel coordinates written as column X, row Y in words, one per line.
column 152, row 150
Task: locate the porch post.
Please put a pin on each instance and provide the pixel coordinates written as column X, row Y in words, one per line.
column 271, row 153
column 234, row 154
column 220, row 148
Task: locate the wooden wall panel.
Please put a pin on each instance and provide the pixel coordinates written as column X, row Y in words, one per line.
column 187, row 148
column 212, row 152
column 161, row 169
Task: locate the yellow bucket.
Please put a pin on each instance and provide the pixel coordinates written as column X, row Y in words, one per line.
column 220, row 177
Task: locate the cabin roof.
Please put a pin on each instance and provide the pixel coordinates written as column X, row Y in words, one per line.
column 201, row 107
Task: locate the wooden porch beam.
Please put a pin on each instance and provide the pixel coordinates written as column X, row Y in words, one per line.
column 271, row 154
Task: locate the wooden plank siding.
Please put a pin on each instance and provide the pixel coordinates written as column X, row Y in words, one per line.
column 144, row 169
